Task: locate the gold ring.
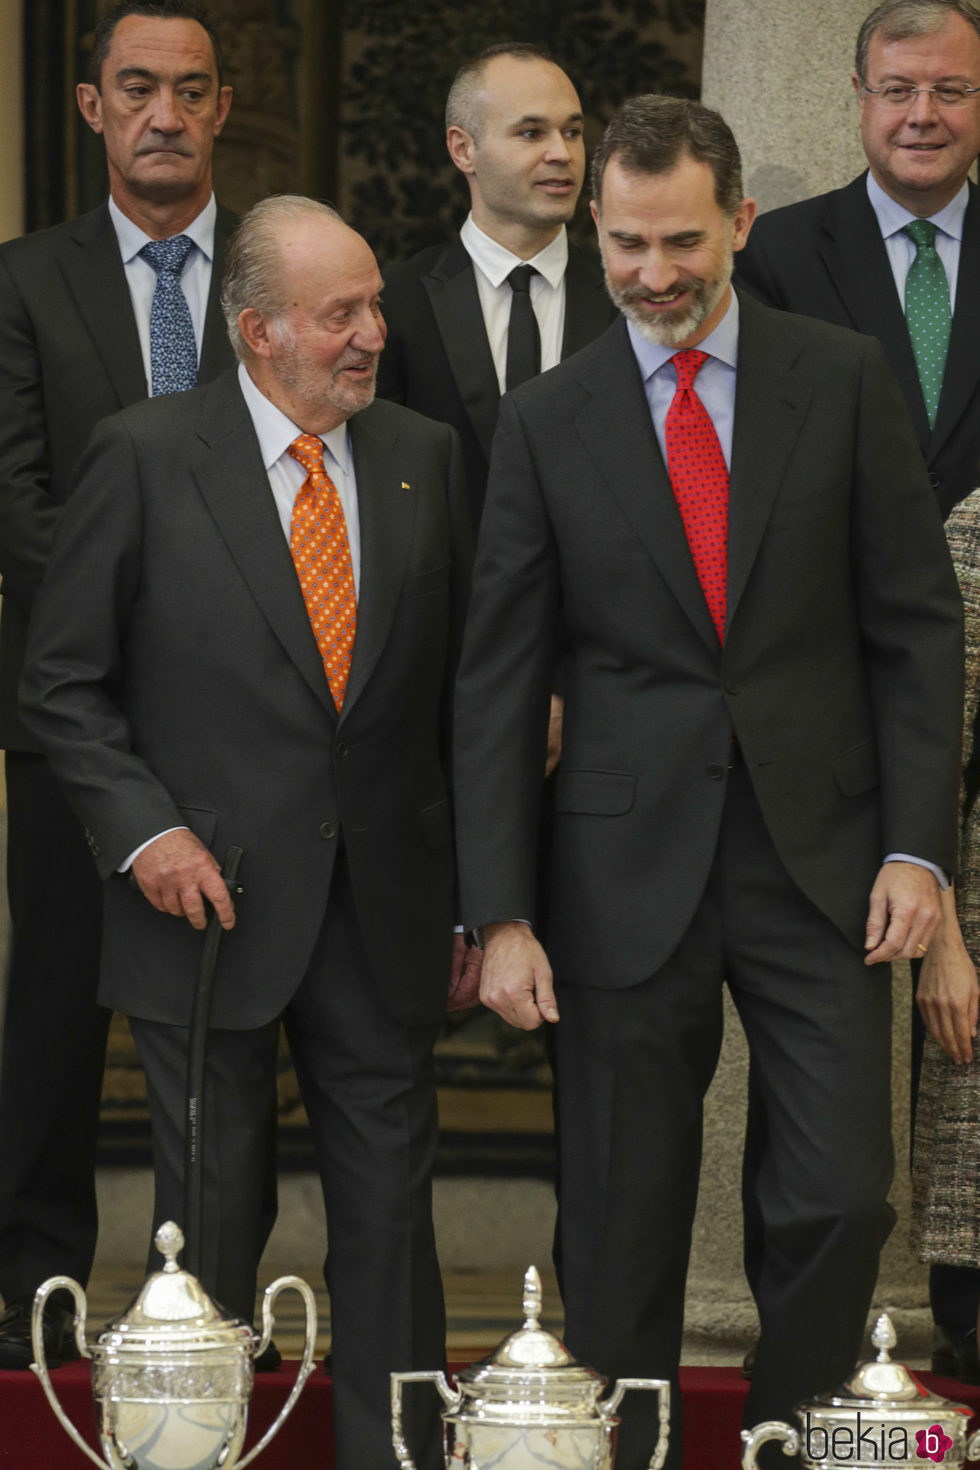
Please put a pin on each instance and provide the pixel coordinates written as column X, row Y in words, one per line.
column 922, row 949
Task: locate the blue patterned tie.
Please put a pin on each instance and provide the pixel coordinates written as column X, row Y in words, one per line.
column 173, row 350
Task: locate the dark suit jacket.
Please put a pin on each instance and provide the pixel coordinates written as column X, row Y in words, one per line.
column 172, row 677
column 69, row 355
column 825, row 258
column 841, row 669
column 437, row 359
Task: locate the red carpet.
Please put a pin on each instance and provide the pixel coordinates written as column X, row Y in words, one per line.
column 32, row 1439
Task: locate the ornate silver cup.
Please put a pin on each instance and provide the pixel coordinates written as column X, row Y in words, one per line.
column 529, row 1403
column 172, row 1377
column 882, row 1417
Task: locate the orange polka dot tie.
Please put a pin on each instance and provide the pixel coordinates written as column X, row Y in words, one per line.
column 321, row 553
column 699, row 480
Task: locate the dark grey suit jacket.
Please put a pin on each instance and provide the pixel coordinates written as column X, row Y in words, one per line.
column 841, row 669
column 437, row 358
column 173, row 678
column 825, row 258
column 69, row 355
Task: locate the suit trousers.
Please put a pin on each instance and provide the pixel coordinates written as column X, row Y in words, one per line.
column 633, row 1066
column 367, row 1083
column 54, row 1038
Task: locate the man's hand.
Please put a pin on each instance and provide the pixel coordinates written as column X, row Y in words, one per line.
column 947, row 993
column 903, row 914
column 464, row 976
column 554, row 734
column 516, row 979
column 176, row 873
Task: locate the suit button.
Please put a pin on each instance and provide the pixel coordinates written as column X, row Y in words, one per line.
column 329, row 830
column 731, row 687
column 340, row 750
column 715, row 772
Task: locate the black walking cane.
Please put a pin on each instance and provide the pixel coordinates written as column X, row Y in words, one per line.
column 196, row 1062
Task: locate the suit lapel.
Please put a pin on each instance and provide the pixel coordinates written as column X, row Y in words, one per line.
column 855, row 256
column 588, row 310
column 769, row 412
column 216, row 352
column 232, row 479
column 386, row 506
column 631, row 464
column 451, row 288
column 95, row 276
column 963, row 362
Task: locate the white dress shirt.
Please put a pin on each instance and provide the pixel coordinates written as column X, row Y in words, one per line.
column 275, row 432
column 493, row 264
column 141, row 278
column 892, row 219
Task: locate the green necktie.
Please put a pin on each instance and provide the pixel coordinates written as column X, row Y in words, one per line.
column 927, row 312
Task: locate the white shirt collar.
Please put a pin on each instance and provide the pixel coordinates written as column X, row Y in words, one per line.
column 893, row 217
column 496, row 261
column 721, row 343
column 275, row 432
column 132, row 239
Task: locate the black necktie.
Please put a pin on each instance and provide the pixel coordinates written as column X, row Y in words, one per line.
column 523, row 338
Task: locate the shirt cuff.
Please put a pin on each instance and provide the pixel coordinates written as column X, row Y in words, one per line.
column 905, row 857
column 125, row 867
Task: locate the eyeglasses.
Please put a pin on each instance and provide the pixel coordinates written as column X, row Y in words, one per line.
column 898, row 94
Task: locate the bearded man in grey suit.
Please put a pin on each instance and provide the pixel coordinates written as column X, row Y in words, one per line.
column 94, row 314
column 247, row 636
column 719, row 513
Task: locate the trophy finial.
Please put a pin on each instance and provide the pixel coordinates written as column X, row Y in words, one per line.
column 169, row 1241
column 532, row 1298
column 883, row 1337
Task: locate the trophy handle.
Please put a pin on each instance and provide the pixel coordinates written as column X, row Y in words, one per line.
column 662, row 1386
column 40, row 1367
column 973, row 1447
column 771, row 1429
column 305, row 1367
column 429, row 1375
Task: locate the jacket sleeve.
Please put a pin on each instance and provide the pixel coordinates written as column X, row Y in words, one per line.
column 28, row 515
column 72, row 690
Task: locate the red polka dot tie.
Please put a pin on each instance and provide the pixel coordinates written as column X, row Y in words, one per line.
column 699, row 479
column 321, row 553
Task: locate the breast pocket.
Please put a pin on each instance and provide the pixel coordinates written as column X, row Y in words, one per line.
column 420, row 584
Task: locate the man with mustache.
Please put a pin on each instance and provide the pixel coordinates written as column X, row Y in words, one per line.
column 719, row 513
column 247, row 636
column 862, row 257
column 117, row 305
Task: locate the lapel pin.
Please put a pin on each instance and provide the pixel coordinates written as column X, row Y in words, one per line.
column 406, row 485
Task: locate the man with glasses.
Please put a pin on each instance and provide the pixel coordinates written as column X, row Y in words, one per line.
column 896, row 254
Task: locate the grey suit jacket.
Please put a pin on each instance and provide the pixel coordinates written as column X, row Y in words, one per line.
column 825, row 258
column 841, row 669
column 172, row 678
column 437, row 359
column 69, row 355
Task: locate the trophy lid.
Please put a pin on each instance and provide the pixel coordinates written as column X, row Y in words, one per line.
column 882, row 1384
column 172, row 1309
column 530, row 1367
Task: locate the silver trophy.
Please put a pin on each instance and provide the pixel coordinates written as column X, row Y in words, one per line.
column 883, row 1416
column 172, row 1377
column 529, row 1403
